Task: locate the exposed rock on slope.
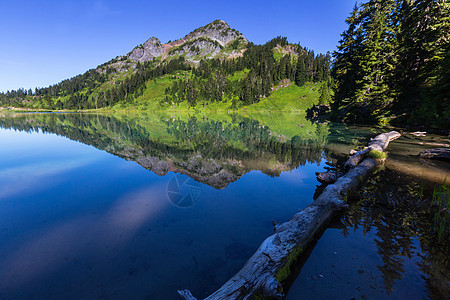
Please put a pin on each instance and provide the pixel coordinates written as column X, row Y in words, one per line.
column 199, row 46
column 150, row 49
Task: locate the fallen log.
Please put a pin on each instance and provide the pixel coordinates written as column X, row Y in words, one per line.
column 379, row 143
column 354, row 160
column 270, row 266
column 437, row 153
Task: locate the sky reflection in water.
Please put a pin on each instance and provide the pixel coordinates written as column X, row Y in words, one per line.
column 77, row 221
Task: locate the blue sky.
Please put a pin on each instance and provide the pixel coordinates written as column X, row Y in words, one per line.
column 44, row 42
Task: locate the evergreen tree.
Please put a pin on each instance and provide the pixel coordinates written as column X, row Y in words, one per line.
column 346, row 67
column 378, row 57
column 393, row 61
column 300, row 77
column 324, row 94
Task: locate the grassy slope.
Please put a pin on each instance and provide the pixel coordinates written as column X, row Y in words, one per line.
column 283, row 99
column 151, row 97
column 238, row 75
column 289, row 99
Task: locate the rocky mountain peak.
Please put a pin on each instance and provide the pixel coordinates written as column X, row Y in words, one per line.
column 217, row 30
column 205, row 41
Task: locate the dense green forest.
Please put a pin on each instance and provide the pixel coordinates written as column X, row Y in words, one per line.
column 207, row 81
column 210, row 80
column 393, row 62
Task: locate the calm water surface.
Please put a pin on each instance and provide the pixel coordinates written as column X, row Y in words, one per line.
column 120, row 206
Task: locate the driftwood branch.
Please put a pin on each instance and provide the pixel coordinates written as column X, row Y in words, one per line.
column 379, row 143
column 269, row 267
column 419, row 133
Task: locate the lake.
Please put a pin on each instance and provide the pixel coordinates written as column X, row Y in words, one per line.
column 130, row 206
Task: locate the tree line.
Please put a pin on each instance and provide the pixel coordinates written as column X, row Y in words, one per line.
column 84, row 91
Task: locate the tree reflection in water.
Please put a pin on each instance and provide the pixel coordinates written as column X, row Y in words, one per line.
column 399, row 209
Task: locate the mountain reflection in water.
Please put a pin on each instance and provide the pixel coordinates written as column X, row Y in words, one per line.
column 212, row 152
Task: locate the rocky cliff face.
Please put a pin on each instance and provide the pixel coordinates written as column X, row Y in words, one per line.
column 217, row 39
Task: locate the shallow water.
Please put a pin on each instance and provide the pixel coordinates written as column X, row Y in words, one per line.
column 384, row 247
column 127, row 206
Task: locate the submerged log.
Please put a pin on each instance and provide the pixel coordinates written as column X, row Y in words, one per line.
column 437, row 153
column 379, row 143
column 269, row 267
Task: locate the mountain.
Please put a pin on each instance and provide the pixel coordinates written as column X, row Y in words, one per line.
column 214, row 65
column 214, row 40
